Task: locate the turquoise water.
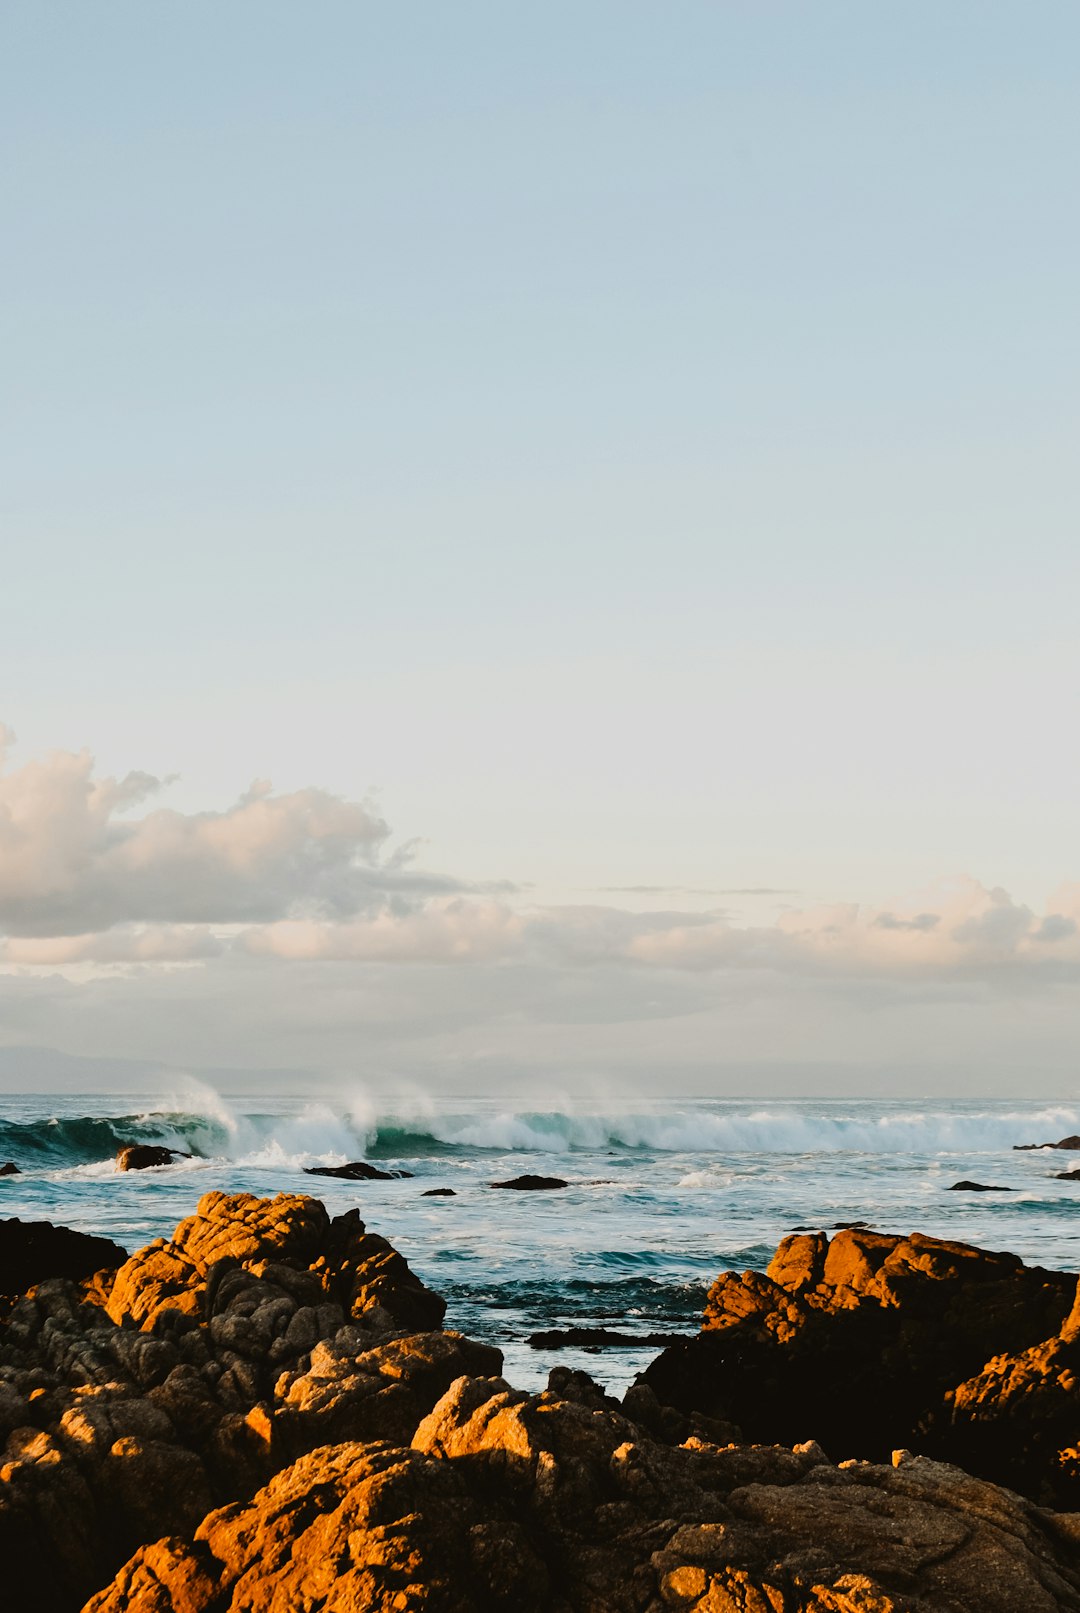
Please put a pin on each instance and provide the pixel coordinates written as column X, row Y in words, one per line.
column 663, row 1195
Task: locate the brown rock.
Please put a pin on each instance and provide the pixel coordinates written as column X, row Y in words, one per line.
column 863, row 1342
column 510, row 1503
column 144, row 1156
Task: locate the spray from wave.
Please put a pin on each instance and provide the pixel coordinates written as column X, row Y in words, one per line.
column 202, row 1123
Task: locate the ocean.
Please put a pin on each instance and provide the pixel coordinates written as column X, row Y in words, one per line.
column 662, row 1195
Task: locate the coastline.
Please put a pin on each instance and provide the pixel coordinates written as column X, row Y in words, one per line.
column 213, row 1422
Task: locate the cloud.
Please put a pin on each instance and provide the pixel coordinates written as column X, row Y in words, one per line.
column 73, row 860
column 129, row 943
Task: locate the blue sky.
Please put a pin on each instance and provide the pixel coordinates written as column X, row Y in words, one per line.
column 637, row 442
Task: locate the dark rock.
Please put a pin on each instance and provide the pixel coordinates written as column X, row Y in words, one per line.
column 531, row 1184
column 598, row 1338
column 144, row 1156
column 976, row 1187
column 438, row 1193
column 1067, row 1176
column 10, row 1170
column 358, row 1170
column 32, row 1251
column 869, row 1343
column 1066, row 1142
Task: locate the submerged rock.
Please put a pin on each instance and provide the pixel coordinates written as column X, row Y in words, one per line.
column 439, row 1193
column 598, row 1338
column 10, row 1169
column 144, row 1156
column 358, row 1170
column 976, row 1187
column 532, row 1184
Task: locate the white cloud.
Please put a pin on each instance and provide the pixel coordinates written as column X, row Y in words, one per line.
column 73, row 861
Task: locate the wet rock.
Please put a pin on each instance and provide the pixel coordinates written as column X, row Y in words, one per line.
column 1067, row 1176
column 10, row 1169
column 1066, row 1142
column 358, row 1170
column 144, row 1156
column 598, row 1338
column 532, row 1184
column 438, row 1193
column 31, row 1251
column 976, row 1187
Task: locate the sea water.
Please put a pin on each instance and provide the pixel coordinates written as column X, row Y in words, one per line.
column 661, row 1197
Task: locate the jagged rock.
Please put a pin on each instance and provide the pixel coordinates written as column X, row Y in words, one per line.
column 144, row 1156
column 976, row 1187
column 10, row 1169
column 1066, row 1142
column 31, row 1251
column 512, row 1503
column 358, row 1170
column 133, row 1404
column 864, row 1343
column 531, row 1184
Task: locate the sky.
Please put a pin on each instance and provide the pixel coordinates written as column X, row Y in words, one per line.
column 540, row 544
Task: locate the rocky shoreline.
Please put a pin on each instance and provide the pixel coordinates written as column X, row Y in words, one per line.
column 265, row 1412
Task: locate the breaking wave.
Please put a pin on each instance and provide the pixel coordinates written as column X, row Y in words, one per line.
column 322, row 1132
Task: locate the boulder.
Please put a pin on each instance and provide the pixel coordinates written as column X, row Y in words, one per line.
column 869, row 1341
column 133, row 1403
column 438, row 1193
column 31, row 1251
column 145, row 1156
column 10, row 1169
column 358, row 1170
column 532, row 1184
column 1066, row 1142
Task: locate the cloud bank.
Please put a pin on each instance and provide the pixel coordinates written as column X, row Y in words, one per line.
column 292, row 916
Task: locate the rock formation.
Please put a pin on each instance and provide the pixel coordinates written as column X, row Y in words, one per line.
column 31, row 1251
column 144, row 1156
column 263, row 1412
column 531, row 1184
column 557, row 1503
column 868, row 1342
column 358, row 1170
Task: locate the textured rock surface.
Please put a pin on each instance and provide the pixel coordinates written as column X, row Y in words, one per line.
column 132, row 1404
column 868, row 1342
column 262, row 1414
column 509, row 1503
